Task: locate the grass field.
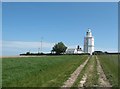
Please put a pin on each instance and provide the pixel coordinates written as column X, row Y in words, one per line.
column 53, row 71
column 109, row 64
column 49, row 71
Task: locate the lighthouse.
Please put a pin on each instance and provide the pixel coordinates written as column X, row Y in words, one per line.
column 89, row 42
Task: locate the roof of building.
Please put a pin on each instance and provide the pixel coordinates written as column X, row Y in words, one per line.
column 70, row 49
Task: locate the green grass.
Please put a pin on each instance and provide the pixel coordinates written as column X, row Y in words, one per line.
column 39, row 71
column 109, row 64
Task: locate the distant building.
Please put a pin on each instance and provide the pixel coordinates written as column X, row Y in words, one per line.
column 89, row 42
column 74, row 50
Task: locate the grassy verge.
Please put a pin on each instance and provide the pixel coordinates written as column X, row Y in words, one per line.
column 39, row 71
column 109, row 64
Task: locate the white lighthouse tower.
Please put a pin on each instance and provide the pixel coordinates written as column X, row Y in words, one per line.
column 89, row 42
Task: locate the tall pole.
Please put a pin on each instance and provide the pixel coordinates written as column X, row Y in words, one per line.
column 41, row 43
column 38, row 50
column 29, row 50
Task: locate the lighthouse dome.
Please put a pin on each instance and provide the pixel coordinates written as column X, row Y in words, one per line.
column 89, row 33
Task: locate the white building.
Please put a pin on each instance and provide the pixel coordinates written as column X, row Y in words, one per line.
column 74, row 51
column 89, row 42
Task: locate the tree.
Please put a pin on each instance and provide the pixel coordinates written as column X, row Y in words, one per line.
column 27, row 53
column 59, row 48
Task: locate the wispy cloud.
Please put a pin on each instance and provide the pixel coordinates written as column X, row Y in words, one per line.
column 23, row 44
column 17, row 47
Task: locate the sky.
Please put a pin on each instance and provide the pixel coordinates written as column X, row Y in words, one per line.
column 25, row 24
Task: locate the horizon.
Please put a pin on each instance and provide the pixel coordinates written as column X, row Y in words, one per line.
column 26, row 24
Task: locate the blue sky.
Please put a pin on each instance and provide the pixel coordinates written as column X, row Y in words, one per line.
column 25, row 23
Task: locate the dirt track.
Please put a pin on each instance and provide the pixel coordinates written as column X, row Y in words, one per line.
column 74, row 75
column 88, row 75
column 89, row 79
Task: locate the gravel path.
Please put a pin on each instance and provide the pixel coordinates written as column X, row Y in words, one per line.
column 74, row 75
